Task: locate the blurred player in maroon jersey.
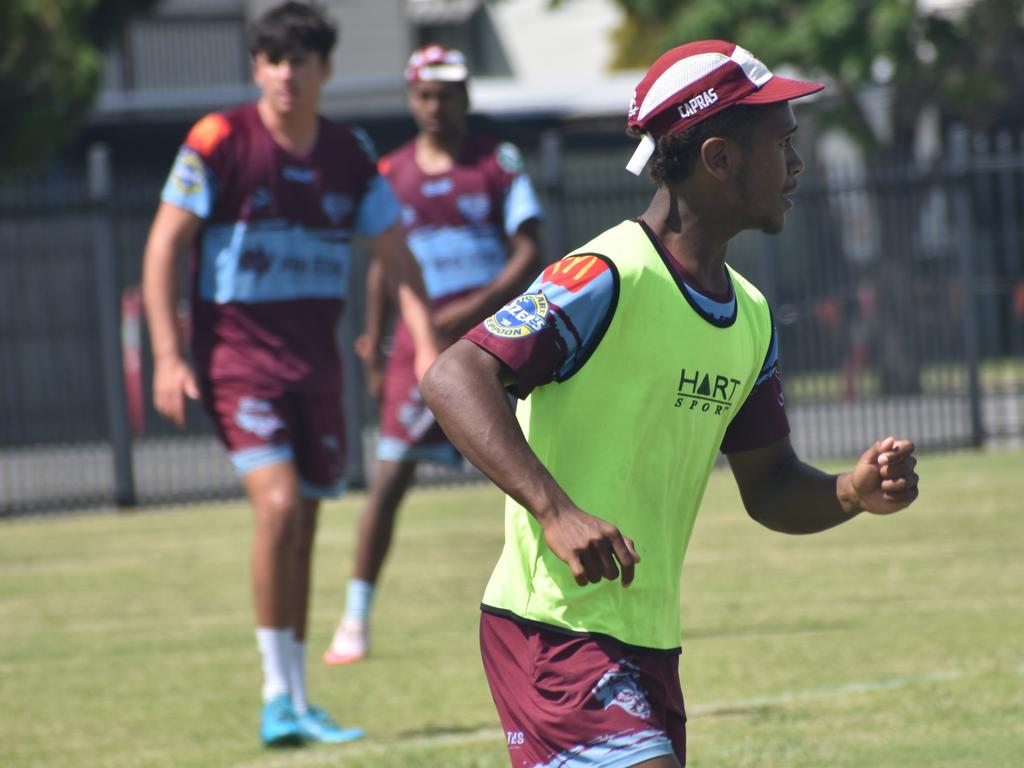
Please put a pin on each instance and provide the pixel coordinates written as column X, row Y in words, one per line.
column 472, row 218
column 269, row 196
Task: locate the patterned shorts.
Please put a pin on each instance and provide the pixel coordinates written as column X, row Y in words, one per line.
column 568, row 701
column 262, row 425
column 408, row 431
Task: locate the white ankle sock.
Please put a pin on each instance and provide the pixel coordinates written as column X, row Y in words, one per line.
column 275, row 646
column 297, row 674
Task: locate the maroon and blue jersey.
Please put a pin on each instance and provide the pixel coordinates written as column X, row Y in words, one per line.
column 271, row 263
column 458, row 222
column 580, row 304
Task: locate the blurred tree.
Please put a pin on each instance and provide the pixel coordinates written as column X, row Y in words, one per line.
column 50, row 66
column 969, row 63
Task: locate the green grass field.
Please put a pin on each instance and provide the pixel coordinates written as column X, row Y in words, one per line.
column 126, row 640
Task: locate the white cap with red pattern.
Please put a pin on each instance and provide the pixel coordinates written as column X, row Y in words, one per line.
column 436, row 64
column 695, row 81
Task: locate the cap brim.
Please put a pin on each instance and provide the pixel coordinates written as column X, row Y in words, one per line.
column 781, row 89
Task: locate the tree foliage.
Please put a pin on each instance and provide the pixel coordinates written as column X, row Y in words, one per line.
column 50, row 67
column 969, row 64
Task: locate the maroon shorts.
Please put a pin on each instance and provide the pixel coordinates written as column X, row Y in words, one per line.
column 262, row 425
column 581, row 702
column 408, row 431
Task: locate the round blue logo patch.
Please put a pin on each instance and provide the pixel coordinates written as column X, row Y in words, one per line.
column 188, row 173
column 520, row 317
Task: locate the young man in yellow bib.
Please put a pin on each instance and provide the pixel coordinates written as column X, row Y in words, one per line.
column 637, row 358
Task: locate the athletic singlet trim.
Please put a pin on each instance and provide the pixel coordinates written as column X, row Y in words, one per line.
column 724, row 322
column 772, row 337
column 606, row 321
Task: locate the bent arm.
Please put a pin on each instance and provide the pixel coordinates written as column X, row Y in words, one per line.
column 405, row 283
column 172, row 230
column 368, row 343
column 522, row 265
column 377, row 303
column 465, row 391
column 784, row 494
column 459, row 316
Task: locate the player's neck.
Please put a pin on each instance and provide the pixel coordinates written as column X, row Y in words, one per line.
column 436, row 154
column 294, row 132
column 691, row 239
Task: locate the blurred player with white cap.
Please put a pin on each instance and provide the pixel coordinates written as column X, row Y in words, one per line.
column 471, row 217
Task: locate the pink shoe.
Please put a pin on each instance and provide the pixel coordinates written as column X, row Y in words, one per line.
column 351, row 643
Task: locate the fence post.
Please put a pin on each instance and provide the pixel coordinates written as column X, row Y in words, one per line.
column 108, row 300
column 959, row 154
column 552, row 182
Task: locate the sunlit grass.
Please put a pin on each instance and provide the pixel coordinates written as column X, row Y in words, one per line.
column 126, row 639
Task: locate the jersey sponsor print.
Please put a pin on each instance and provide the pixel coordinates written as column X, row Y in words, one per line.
column 271, row 263
column 458, row 222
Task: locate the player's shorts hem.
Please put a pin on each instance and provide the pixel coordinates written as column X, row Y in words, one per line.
column 248, row 459
column 614, row 751
column 310, row 491
column 395, row 449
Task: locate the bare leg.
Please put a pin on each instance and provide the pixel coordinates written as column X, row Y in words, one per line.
column 391, row 481
column 303, row 566
column 278, row 511
column 282, row 550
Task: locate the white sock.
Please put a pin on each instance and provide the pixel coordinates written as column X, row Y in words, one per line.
column 275, row 645
column 358, row 599
column 297, row 673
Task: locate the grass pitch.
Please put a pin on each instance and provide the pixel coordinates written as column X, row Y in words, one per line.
column 126, row 639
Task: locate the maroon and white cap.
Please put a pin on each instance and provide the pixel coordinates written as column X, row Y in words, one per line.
column 436, row 64
column 695, row 81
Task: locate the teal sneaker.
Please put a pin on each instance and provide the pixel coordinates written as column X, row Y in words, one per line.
column 317, row 725
column 279, row 727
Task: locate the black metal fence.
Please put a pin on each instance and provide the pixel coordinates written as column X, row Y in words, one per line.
column 898, row 293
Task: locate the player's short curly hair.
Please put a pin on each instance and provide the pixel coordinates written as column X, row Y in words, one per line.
column 676, row 155
column 290, row 28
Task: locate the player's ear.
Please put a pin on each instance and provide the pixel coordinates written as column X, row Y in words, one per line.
column 716, row 157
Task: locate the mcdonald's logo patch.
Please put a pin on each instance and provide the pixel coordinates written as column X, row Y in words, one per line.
column 574, row 272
